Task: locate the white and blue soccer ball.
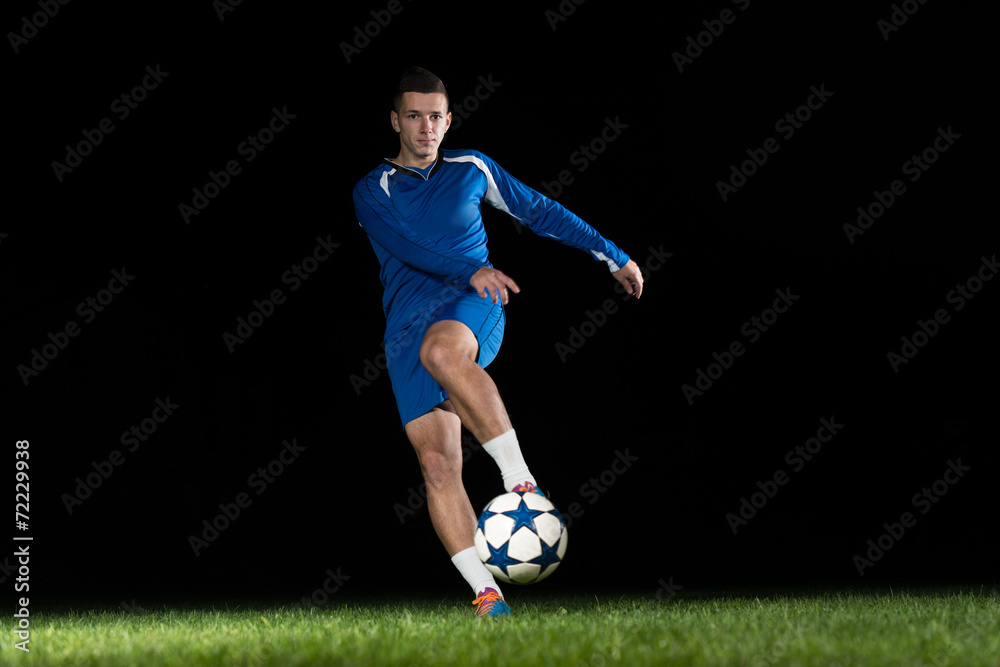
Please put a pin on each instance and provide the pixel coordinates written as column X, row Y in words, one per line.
column 521, row 537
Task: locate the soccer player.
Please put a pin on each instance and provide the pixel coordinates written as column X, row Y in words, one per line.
column 444, row 304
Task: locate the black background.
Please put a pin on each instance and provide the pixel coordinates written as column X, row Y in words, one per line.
column 338, row 506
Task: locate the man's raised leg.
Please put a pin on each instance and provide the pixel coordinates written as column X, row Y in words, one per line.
column 448, row 352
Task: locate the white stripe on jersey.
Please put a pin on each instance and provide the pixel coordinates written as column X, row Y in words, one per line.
column 384, row 181
column 495, row 200
column 492, row 192
column 611, row 265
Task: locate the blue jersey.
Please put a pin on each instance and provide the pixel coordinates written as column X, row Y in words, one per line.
column 426, row 227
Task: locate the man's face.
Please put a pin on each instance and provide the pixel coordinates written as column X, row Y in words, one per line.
column 422, row 121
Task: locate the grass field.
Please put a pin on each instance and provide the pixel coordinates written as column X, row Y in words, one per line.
column 887, row 627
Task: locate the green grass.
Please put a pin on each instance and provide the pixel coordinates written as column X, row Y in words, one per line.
column 931, row 627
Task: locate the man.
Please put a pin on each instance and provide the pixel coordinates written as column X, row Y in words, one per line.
column 444, row 304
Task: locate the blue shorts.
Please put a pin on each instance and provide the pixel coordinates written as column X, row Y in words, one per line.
column 416, row 391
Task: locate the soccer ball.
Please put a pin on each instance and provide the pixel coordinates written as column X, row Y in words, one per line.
column 521, row 537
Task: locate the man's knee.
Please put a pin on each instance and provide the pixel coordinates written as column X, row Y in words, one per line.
column 437, row 440
column 441, row 355
column 440, row 466
column 435, row 355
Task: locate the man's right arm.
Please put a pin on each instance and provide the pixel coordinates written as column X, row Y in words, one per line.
column 383, row 222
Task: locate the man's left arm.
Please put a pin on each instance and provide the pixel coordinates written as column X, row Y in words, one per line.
column 546, row 217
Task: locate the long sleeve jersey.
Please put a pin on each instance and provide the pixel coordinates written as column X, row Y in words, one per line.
column 427, row 231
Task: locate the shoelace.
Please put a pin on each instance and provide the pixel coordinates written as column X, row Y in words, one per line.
column 484, row 603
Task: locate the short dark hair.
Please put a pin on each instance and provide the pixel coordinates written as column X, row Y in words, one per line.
column 417, row 80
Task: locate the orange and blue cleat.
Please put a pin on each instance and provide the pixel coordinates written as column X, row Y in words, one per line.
column 528, row 487
column 489, row 603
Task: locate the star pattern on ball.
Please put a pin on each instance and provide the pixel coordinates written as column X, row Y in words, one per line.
column 499, row 557
column 549, row 555
column 485, row 515
column 523, row 516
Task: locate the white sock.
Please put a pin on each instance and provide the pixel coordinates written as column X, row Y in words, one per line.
column 507, row 453
column 468, row 564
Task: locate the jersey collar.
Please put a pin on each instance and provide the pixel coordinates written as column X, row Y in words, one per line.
column 417, row 173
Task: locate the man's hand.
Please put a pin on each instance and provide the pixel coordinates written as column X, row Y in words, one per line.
column 495, row 284
column 630, row 277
